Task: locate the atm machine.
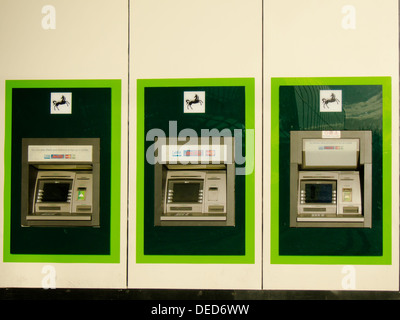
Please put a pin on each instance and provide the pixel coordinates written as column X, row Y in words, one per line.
column 60, row 182
column 330, row 179
column 194, row 181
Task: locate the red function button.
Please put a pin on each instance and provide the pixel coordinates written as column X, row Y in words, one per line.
column 193, row 153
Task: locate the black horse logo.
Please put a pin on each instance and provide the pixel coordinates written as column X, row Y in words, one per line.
column 61, row 102
column 331, row 99
column 195, row 100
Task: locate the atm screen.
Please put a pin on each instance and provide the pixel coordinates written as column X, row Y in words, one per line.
column 55, row 192
column 186, row 192
column 318, row 193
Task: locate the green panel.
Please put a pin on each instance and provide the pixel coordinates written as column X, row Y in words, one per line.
column 229, row 104
column 95, row 113
column 366, row 106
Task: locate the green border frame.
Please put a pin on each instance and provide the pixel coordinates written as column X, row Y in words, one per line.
column 248, row 258
column 114, row 256
column 386, row 258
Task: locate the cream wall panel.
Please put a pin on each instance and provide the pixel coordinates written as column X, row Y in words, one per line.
column 307, row 39
column 90, row 41
column 195, row 39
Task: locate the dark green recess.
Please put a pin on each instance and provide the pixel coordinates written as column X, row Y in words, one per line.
column 225, row 108
column 299, row 110
column 90, row 118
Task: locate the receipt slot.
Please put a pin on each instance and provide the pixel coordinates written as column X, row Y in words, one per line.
column 194, row 182
column 60, row 182
column 330, row 179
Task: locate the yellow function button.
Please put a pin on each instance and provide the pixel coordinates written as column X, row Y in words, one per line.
column 347, row 192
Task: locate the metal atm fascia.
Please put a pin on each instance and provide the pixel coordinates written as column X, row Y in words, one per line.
column 332, row 174
column 82, row 175
column 214, row 177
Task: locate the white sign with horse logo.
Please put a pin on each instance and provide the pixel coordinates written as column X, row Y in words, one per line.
column 330, row 101
column 194, row 102
column 61, row 103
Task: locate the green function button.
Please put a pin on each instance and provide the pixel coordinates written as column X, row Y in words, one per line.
column 81, row 194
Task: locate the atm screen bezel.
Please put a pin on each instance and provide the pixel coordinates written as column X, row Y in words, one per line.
column 195, row 199
column 42, row 182
column 304, row 183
